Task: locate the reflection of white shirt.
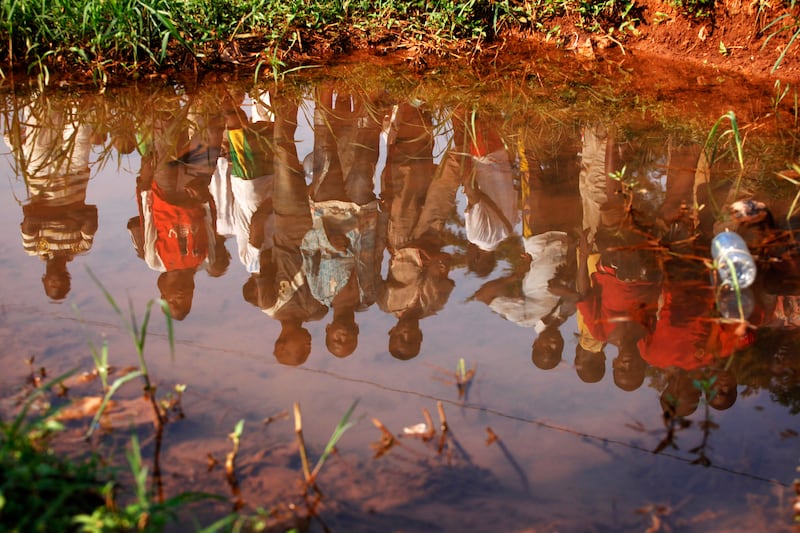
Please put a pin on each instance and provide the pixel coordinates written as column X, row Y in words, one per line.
column 484, row 226
column 548, row 251
column 54, row 154
column 236, row 201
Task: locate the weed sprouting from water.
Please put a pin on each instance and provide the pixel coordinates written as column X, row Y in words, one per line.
column 138, row 334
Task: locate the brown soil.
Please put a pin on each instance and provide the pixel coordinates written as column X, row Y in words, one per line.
column 736, row 38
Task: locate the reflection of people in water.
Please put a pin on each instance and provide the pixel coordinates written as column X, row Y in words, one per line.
column 175, row 233
column 417, row 284
column 685, row 389
column 53, row 159
column 243, row 181
column 341, row 259
column 491, row 213
column 616, row 277
column 688, row 334
column 281, row 289
column 539, row 293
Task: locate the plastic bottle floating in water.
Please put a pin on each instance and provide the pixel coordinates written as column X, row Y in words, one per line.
column 735, row 305
column 732, row 257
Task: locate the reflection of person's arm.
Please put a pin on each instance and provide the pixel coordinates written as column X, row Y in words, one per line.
column 149, row 230
column 508, row 286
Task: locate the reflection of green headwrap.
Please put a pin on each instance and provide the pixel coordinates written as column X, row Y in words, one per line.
column 242, row 160
column 249, row 154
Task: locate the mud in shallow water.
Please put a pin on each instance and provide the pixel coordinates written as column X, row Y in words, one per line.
column 528, row 256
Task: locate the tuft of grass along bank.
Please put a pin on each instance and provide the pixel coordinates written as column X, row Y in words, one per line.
column 129, row 38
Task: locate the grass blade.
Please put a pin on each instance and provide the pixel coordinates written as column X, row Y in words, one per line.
column 343, row 425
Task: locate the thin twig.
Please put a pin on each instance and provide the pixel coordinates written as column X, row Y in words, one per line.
column 298, row 429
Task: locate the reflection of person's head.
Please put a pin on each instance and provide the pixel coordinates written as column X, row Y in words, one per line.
column 341, row 338
column 629, row 368
column 681, row 396
column 177, row 289
column 547, row 348
column 481, row 262
column 405, row 339
column 293, row 345
column 590, row 366
column 56, row 280
column 723, row 391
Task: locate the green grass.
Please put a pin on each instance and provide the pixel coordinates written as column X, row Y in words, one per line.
column 113, row 37
column 39, row 490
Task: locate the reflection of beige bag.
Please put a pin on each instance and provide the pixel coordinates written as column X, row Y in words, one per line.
column 787, row 309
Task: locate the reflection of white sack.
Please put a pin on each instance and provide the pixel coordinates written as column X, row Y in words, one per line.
column 236, row 201
column 484, row 226
column 548, row 251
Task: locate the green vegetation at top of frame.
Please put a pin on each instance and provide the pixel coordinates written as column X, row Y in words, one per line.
column 107, row 37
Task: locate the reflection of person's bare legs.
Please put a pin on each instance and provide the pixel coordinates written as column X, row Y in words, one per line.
column 290, row 195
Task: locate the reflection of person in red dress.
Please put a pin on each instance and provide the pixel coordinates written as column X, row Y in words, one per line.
column 175, row 232
column 692, row 345
column 687, row 334
column 617, row 302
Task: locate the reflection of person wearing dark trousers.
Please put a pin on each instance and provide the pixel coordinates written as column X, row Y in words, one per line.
column 287, row 296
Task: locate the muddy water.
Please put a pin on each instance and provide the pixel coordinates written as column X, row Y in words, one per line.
column 532, row 267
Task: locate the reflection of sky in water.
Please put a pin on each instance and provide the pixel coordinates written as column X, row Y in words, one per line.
column 584, row 450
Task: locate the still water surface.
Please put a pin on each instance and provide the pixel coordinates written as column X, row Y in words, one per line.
column 322, row 243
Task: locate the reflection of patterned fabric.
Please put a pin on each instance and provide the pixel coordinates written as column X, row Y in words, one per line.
column 294, row 298
column 548, row 251
column 249, row 152
column 58, row 190
column 327, row 268
column 48, row 232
